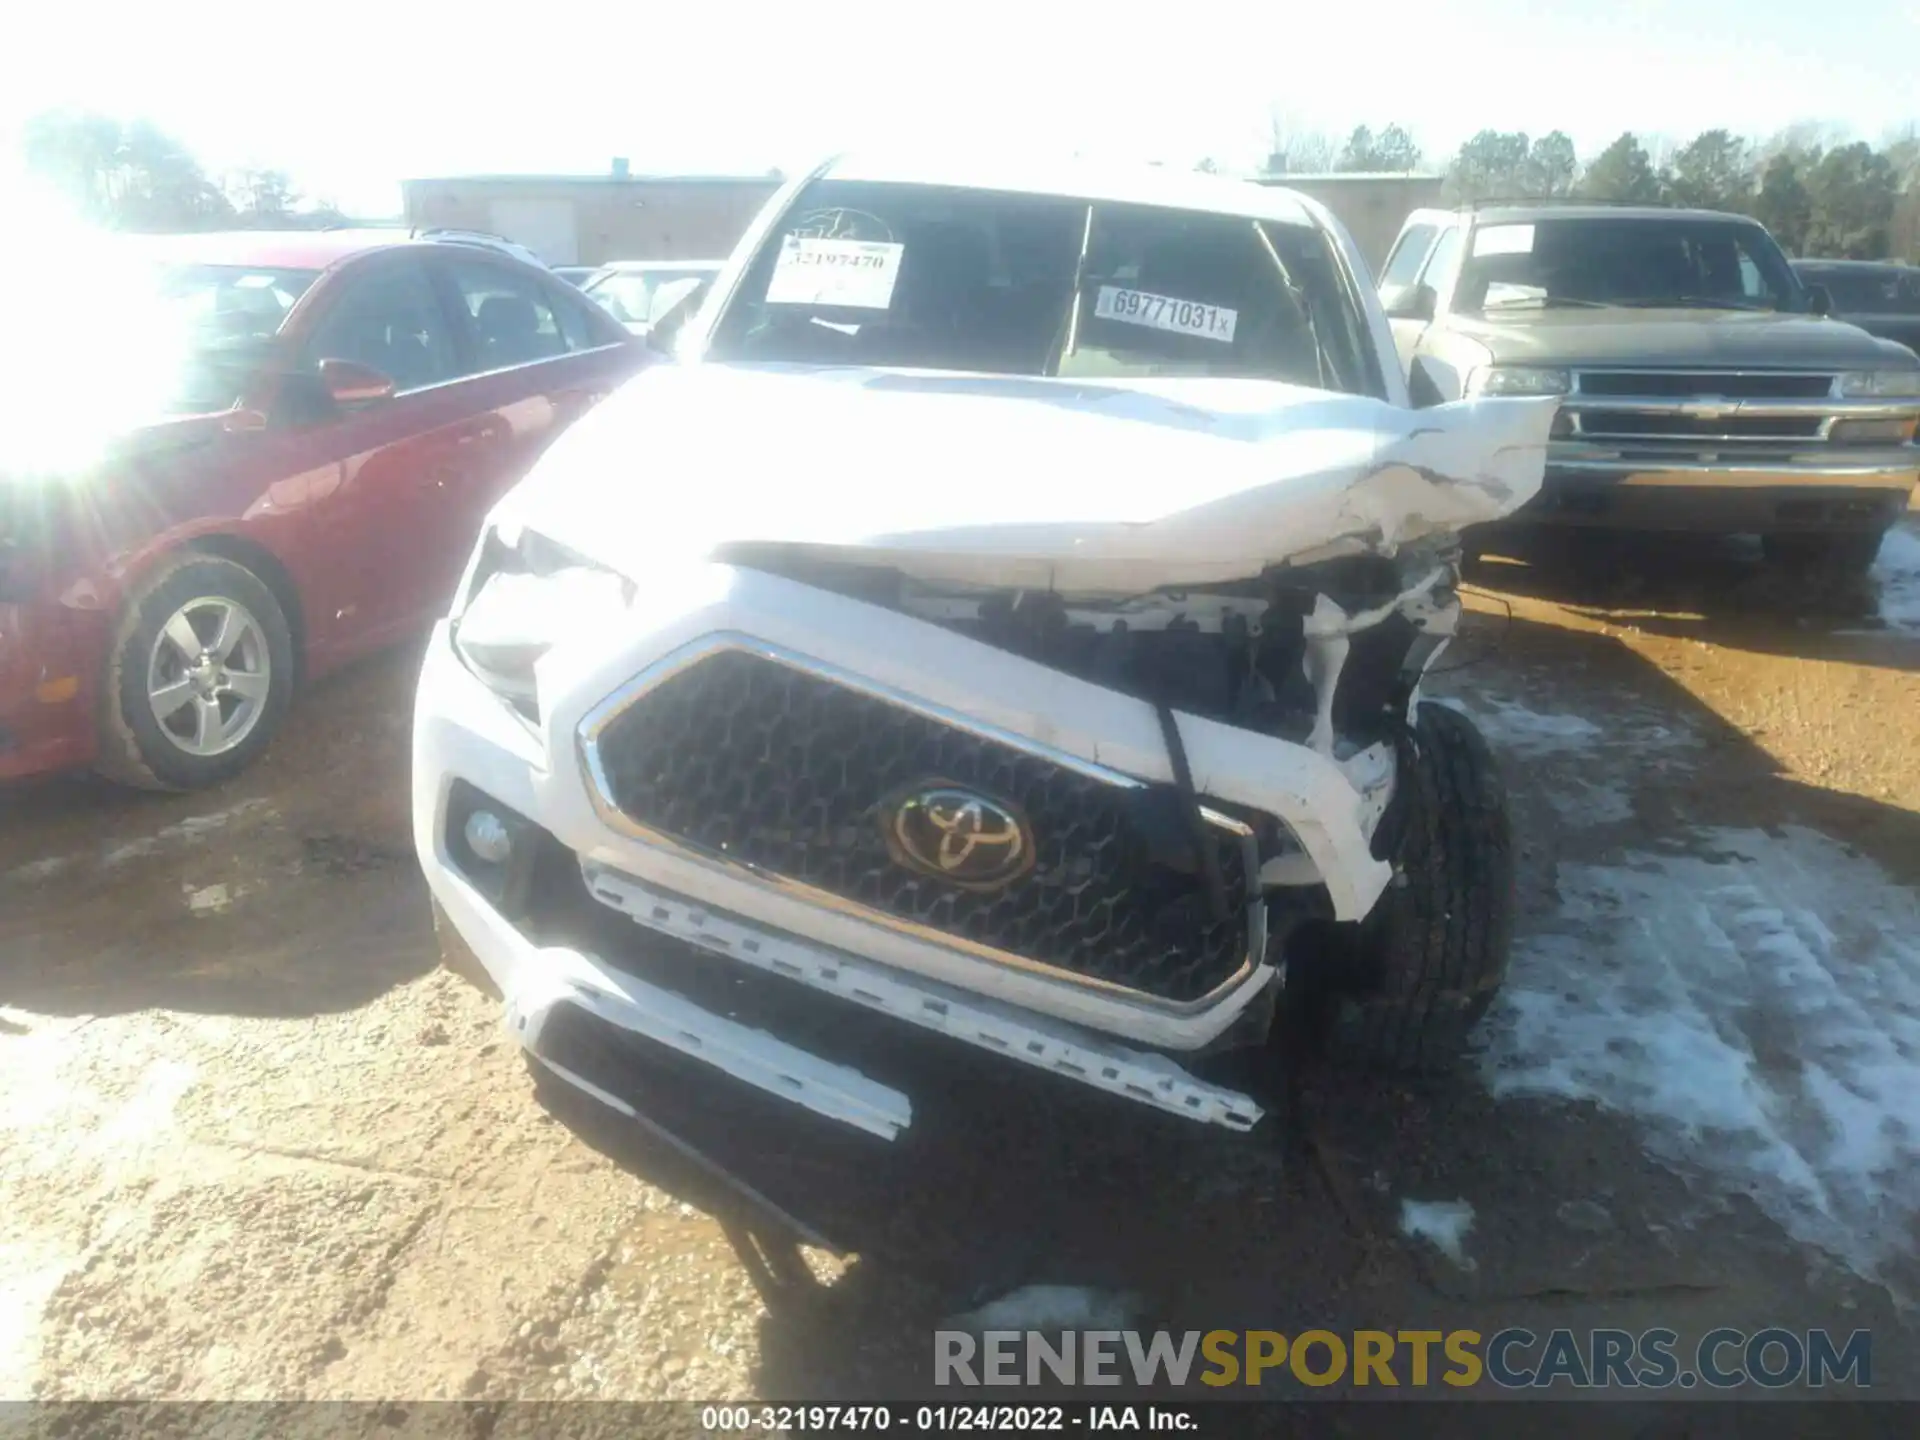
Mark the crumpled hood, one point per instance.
(1073, 485)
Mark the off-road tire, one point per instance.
(133, 749)
(1835, 556)
(1429, 959)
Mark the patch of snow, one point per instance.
(193, 828)
(1511, 725)
(209, 900)
(1052, 1308)
(1584, 803)
(35, 871)
(1757, 1007)
(1897, 573)
(1514, 727)
(1443, 1224)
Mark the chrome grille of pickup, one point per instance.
(1674, 410)
(762, 764)
(1654, 424)
(1690, 384)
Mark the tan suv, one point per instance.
(1706, 387)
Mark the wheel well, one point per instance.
(263, 563)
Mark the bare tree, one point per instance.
(1294, 149)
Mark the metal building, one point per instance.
(591, 219)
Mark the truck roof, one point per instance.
(1522, 212)
(1165, 186)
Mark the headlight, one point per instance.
(1879, 384)
(1518, 380)
(524, 600)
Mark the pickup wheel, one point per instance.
(1846, 555)
(1431, 956)
(198, 679)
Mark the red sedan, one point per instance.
(340, 410)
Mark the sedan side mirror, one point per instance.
(1409, 302)
(1819, 300)
(351, 383)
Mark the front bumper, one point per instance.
(49, 658)
(1724, 493)
(676, 903)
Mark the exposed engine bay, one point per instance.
(1327, 655)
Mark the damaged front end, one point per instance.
(1072, 794)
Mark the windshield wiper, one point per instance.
(1543, 302)
(1691, 302)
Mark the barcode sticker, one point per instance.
(1166, 312)
(859, 274)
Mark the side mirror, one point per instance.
(1409, 302)
(1819, 300)
(351, 383)
(673, 305)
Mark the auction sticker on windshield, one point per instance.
(1503, 240)
(859, 274)
(1165, 312)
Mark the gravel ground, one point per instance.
(257, 1147)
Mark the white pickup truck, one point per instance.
(1000, 622)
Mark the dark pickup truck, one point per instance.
(1706, 387)
(1880, 297)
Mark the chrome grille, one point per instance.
(1677, 409)
(1687, 384)
(756, 761)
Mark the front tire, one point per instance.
(1432, 955)
(198, 678)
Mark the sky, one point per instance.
(351, 97)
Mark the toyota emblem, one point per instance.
(959, 836)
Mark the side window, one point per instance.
(388, 319)
(1408, 251)
(578, 323)
(514, 316)
(1444, 263)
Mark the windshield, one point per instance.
(929, 277)
(636, 297)
(222, 318)
(1654, 263)
(1889, 291)
(154, 339)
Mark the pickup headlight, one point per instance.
(526, 598)
(1518, 380)
(1879, 384)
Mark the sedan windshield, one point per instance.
(217, 322)
(930, 277)
(160, 339)
(637, 297)
(1675, 264)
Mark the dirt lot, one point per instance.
(256, 1146)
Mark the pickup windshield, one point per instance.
(939, 278)
(1678, 264)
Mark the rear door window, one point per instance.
(388, 318)
(513, 318)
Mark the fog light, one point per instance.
(488, 838)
